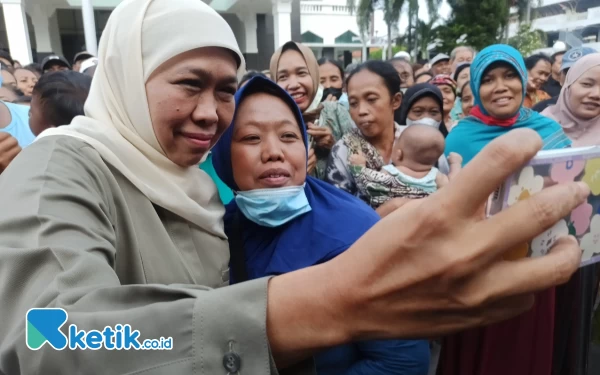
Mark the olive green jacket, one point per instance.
(75, 234)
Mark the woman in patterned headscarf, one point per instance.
(448, 88)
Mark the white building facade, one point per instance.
(557, 18)
(33, 29)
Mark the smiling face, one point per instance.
(584, 98)
(371, 105)
(26, 80)
(449, 98)
(425, 107)
(405, 72)
(442, 67)
(191, 102)
(539, 74)
(267, 149)
(293, 76)
(501, 91)
(330, 76)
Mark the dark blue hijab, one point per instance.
(336, 221)
(416, 92)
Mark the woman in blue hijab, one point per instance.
(522, 345)
(498, 82)
(282, 220)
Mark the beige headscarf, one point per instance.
(313, 70)
(581, 132)
(139, 36)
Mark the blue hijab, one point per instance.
(473, 133)
(336, 221)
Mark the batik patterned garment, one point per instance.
(338, 166)
(337, 118)
(379, 187)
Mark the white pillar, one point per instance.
(16, 30)
(89, 27)
(54, 32)
(282, 21)
(250, 26)
(41, 24)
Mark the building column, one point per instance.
(54, 30)
(251, 40)
(47, 35)
(17, 31)
(89, 27)
(282, 21)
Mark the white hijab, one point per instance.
(139, 36)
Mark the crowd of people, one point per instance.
(309, 217)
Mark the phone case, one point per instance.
(555, 167)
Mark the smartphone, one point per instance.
(549, 168)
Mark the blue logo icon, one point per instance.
(43, 326)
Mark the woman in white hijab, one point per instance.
(110, 220)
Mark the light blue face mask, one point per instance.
(273, 207)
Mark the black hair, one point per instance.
(35, 68)
(383, 69)
(290, 46)
(62, 95)
(326, 60)
(251, 74)
(7, 56)
(416, 93)
(462, 89)
(427, 73)
(459, 70)
(533, 60)
(555, 55)
(23, 100)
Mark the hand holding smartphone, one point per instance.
(553, 167)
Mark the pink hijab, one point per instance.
(581, 132)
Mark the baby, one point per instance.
(412, 174)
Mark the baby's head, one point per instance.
(419, 146)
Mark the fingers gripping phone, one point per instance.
(549, 168)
